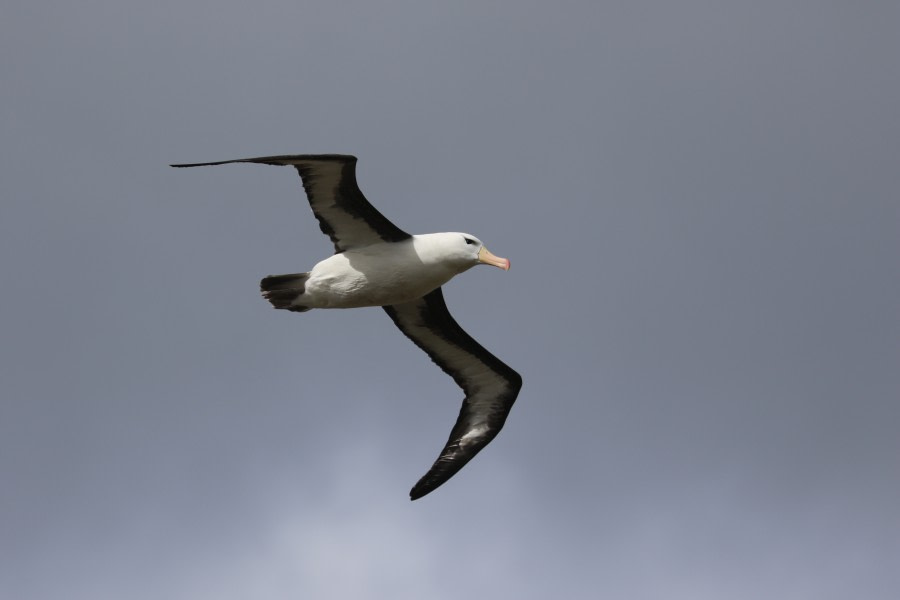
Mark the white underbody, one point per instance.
(379, 275)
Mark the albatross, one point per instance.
(375, 263)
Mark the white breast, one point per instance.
(376, 275)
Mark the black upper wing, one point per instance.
(490, 385)
(343, 212)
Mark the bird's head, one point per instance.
(461, 250)
(484, 256)
(474, 251)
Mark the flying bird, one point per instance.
(375, 263)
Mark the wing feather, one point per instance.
(490, 386)
(342, 210)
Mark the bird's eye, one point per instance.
(470, 241)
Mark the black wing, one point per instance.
(490, 385)
(343, 212)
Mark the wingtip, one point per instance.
(206, 164)
(427, 484)
(436, 476)
(281, 160)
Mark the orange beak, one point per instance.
(489, 259)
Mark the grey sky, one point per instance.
(701, 204)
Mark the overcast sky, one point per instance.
(701, 204)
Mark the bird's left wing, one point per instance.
(343, 212)
(490, 385)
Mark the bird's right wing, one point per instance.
(343, 212)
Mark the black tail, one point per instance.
(285, 291)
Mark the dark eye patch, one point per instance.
(470, 241)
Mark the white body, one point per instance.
(387, 273)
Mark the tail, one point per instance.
(284, 291)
